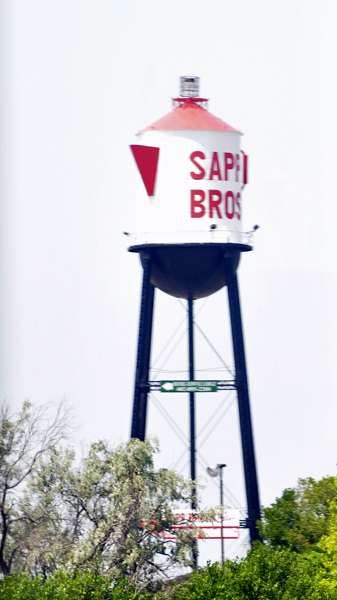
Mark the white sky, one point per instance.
(79, 78)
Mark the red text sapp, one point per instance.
(229, 167)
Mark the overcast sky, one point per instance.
(79, 79)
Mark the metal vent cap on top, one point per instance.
(189, 86)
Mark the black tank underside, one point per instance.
(189, 270)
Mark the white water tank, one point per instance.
(192, 172)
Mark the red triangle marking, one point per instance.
(146, 158)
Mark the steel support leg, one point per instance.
(191, 374)
(252, 491)
(143, 354)
(192, 417)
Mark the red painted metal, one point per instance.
(190, 115)
(245, 168)
(146, 158)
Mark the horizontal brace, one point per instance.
(155, 385)
(247, 523)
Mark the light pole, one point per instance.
(214, 472)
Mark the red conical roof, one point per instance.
(190, 115)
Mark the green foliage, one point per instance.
(327, 575)
(64, 586)
(301, 516)
(92, 530)
(265, 574)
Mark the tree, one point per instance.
(327, 576)
(25, 438)
(265, 574)
(112, 510)
(105, 513)
(301, 516)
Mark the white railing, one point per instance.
(217, 236)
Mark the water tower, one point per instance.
(192, 174)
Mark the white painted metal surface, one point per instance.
(197, 196)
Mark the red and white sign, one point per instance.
(211, 529)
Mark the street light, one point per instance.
(214, 472)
